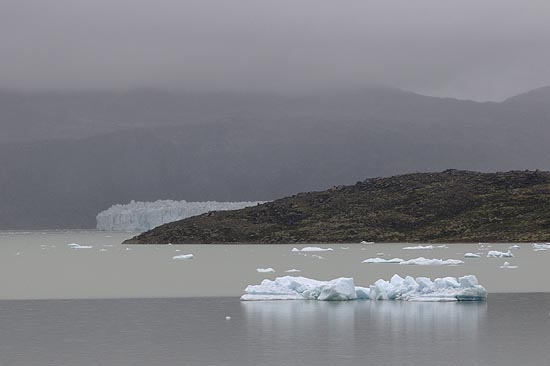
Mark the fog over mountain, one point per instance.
(107, 101)
(66, 156)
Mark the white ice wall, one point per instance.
(143, 216)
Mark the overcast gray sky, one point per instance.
(472, 49)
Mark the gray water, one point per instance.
(509, 329)
(41, 265)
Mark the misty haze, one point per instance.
(170, 168)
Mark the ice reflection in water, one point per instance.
(388, 332)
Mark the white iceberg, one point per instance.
(301, 288)
(472, 255)
(420, 247)
(540, 247)
(183, 256)
(342, 289)
(382, 260)
(497, 254)
(312, 249)
(265, 270)
(507, 265)
(515, 246)
(143, 216)
(421, 261)
(293, 270)
(367, 242)
(78, 246)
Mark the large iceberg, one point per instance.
(465, 288)
(143, 216)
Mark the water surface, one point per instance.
(508, 329)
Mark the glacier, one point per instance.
(143, 216)
(465, 288)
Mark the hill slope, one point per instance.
(447, 207)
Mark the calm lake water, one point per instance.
(113, 304)
(509, 329)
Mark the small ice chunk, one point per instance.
(227, 318)
(382, 260)
(312, 249)
(420, 247)
(507, 265)
(472, 255)
(103, 250)
(421, 261)
(367, 242)
(293, 270)
(344, 248)
(265, 270)
(497, 254)
(515, 246)
(183, 256)
(78, 246)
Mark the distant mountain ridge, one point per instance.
(66, 156)
(451, 206)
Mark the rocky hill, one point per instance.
(451, 206)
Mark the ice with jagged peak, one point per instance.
(507, 265)
(472, 255)
(143, 216)
(540, 247)
(312, 249)
(497, 254)
(464, 288)
(420, 247)
(421, 261)
(382, 260)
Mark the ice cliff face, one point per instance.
(143, 216)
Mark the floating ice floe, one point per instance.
(421, 261)
(497, 254)
(293, 270)
(419, 247)
(183, 256)
(515, 246)
(312, 249)
(78, 246)
(345, 248)
(472, 255)
(382, 260)
(539, 247)
(507, 265)
(367, 242)
(342, 289)
(265, 270)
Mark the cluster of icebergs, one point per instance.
(420, 261)
(464, 288)
(539, 247)
(143, 216)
